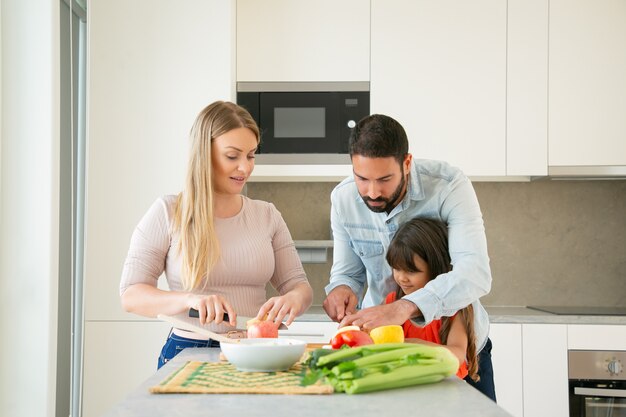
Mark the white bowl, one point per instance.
(264, 355)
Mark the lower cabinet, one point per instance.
(118, 357)
(506, 356)
(596, 337)
(544, 358)
(530, 368)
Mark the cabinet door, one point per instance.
(439, 68)
(506, 357)
(544, 349)
(527, 88)
(303, 40)
(596, 337)
(587, 83)
(118, 357)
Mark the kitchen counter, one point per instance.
(451, 397)
(503, 314)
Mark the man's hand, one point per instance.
(340, 302)
(369, 318)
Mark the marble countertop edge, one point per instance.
(503, 314)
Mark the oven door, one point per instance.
(597, 399)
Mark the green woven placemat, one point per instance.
(222, 378)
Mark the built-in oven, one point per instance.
(305, 122)
(597, 383)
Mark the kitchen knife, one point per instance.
(241, 320)
(181, 324)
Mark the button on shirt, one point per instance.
(361, 238)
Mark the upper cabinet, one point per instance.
(303, 40)
(527, 88)
(587, 105)
(516, 88)
(439, 68)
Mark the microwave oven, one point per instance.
(305, 122)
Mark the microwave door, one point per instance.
(306, 122)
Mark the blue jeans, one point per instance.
(485, 371)
(175, 344)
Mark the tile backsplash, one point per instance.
(550, 242)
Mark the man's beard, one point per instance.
(390, 202)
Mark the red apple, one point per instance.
(263, 329)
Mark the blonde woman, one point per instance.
(218, 248)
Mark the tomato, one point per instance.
(267, 329)
(351, 338)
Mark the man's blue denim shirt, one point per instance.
(361, 238)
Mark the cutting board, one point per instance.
(197, 377)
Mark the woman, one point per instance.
(218, 248)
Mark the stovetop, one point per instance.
(581, 311)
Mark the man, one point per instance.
(387, 189)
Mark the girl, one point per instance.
(218, 248)
(417, 254)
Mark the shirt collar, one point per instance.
(415, 191)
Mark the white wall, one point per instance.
(29, 206)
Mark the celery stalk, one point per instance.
(388, 381)
(357, 352)
(418, 350)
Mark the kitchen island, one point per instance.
(451, 397)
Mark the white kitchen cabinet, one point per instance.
(587, 57)
(439, 68)
(527, 88)
(119, 356)
(596, 337)
(544, 353)
(506, 357)
(301, 40)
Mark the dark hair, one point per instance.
(379, 136)
(428, 238)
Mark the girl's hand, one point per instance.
(211, 308)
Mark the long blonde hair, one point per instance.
(193, 215)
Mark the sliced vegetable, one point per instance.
(346, 328)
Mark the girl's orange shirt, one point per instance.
(429, 333)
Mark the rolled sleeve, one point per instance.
(347, 268)
(428, 303)
(470, 277)
(149, 245)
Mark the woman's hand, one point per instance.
(211, 308)
(294, 303)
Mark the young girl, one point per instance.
(417, 254)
